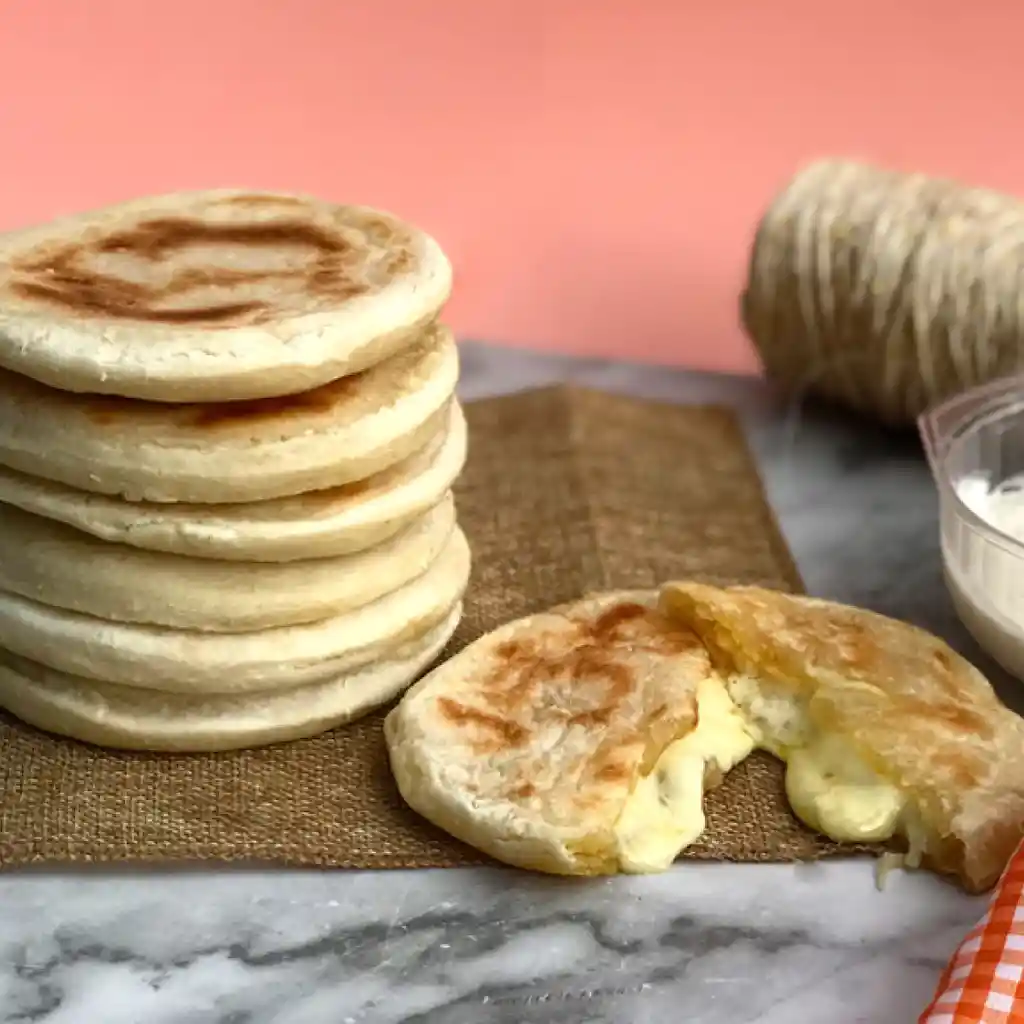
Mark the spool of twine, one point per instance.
(886, 292)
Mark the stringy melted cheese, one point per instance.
(829, 787)
(665, 814)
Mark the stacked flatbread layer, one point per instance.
(228, 438)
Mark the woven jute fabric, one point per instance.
(566, 492)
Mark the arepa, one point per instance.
(64, 568)
(119, 716)
(530, 743)
(188, 661)
(318, 524)
(886, 731)
(232, 451)
(214, 295)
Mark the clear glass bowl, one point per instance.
(975, 447)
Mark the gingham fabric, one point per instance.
(984, 982)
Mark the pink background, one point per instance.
(595, 167)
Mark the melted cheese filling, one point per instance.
(665, 812)
(832, 791)
(828, 786)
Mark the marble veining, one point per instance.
(708, 942)
(772, 944)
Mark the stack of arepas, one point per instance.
(228, 437)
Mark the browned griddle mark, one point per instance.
(593, 649)
(591, 655)
(949, 715)
(59, 275)
(322, 399)
(106, 411)
(509, 733)
(613, 771)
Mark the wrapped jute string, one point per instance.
(884, 291)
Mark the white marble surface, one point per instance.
(708, 942)
(704, 943)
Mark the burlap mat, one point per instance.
(566, 492)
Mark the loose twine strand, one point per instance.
(886, 292)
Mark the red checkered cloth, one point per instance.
(984, 982)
